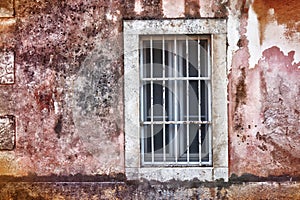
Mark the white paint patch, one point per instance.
(253, 38)
(233, 38)
(172, 9)
(205, 9)
(109, 16)
(8, 22)
(56, 109)
(274, 35)
(138, 6)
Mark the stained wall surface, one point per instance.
(61, 83)
(264, 91)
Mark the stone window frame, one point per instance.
(217, 29)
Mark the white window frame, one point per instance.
(216, 28)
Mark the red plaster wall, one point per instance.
(264, 119)
(68, 100)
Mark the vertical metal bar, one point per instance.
(180, 99)
(209, 102)
(171, 96)
(187, 100)
(164, 99)
(175, 99)
(142, 99)
(151, 75)
(199, 99)
(209, 56)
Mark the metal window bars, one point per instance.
(175, 102)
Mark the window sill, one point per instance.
(182, 174)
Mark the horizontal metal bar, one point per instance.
(167, 116)
(175, 122)
(173, 164)
(176, 37)
(177, 79)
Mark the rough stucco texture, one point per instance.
(284, 13)
(67, 96)
(264, 100)
(249, 191)
(7, 132)
(6, 8)
(67, 91)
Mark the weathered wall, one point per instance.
(61, 95)
(264, 91)
(66, 89)
(66, 97)
(95, 191)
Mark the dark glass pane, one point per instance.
(170, 143)
(157, 58)
(146, 142)
(176, 101)
(146, 59)
(181, 58)
(204, 100)
(205, 143)
(193, 58)
(146, 101)
(158, 101)
(158, 142)
(194, 142)
(193, 101)
(182, 142)
(169, 58)
(204, 58)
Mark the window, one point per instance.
(175, 99)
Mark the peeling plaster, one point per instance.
(173, 10)
(138, 7)
(283, 12)
(265, 124)
(68, 117)
(6, 8)
(257, 46)
(259, 112)
(192, 8)
(205, 8)
(253, 38)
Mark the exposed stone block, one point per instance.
(6, 8)
(7, 68)
(7, 132)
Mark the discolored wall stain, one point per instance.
(241, 90)
(68, 93)
(262, 112)
(280, 107)
(192, 8)
(220, 8)
(152, 9)
(265, 138)
(53, 41)
(285, 12)
(7, 132)
(6, 8)
(7, 34)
